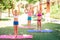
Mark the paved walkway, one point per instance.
(55, 21)
(22, 20)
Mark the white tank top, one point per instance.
(15, 16)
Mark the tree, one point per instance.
(1, 8)
(32, 1)
(9, 6)
(5, 4)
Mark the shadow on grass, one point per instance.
(4, 19)
(55, 35)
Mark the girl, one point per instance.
(39, 15)
(29, 11)
(15, 23)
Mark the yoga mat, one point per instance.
(40, 30)
(13, 37)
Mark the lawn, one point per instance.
(5, 19)
(55, 35)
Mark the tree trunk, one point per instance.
(8, 12)
(0, 15)
(58, 3)
(12, 10)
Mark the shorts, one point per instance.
(15, 23)
(29, 18)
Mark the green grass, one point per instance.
(55, 35)
(5, 19)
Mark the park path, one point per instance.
(22, 20)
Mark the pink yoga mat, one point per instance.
(13, 37)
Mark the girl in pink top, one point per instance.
(39, 15)
(29, 11)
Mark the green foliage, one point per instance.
(58, 6)
(1, 7)
(55, 13)
(32, 1)
(8, 3)
(17, 0)
(5, 4)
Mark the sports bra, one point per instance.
(39, 14)
(15, 16)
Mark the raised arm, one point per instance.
(26, 10)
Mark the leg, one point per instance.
(29, 22)
(40, 25)
(16, 30)
(37, 25)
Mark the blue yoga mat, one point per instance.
(40, 30)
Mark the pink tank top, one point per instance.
(29, 13)
(39, 16)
